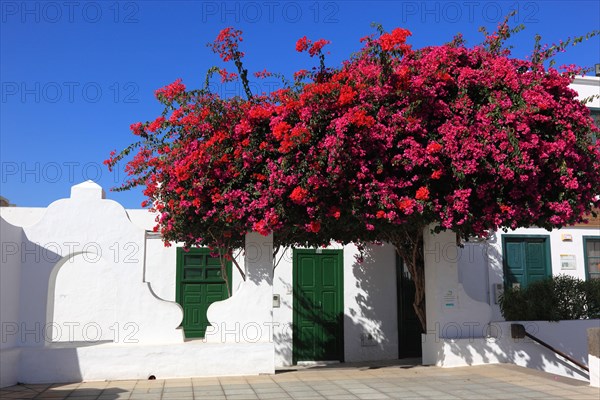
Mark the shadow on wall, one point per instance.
(283, 339)
(371, 299)
(500, 347)
(319, 333)
(256, 245)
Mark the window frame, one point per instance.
(586, 263)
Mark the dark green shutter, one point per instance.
(199, 284)
(526, 259)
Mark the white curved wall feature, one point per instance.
(88, 224)
(82, 300)
(247, 316)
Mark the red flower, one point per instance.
(263, 74)
(422, 193)
(437, 174)
(226, 44)
(261, 227)
(434, 147)
(171, 91)
(346, 95)
(334, 212)
(380, 214)
(395, 40)
(405, 205)
(314, 226)
(302, 44)
(317, 46)
(226, 76)
(300, 74)
(281, 129)
(156, 124)
(136, 128)
(298, 195)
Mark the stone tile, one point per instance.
(139, 396)
(53, 394)
(341, 397)
(241, 397)
(177, 395)
(114, 396)
(245, 390)
(20, 395)
(492, 382)
(209, 397)
(176, 389)
(372, 396)
(77, 397)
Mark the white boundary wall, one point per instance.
(129, 332)
(461, 331)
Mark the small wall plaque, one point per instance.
(566, 237)
(567, 262)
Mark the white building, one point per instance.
(88, 292)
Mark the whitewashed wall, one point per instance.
(81, 268)
(10, 276)
(500, 347)
(460, 329)
(587, 86)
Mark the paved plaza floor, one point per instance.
(341, 381)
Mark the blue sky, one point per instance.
(75, 74)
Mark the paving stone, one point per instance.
(491, 382)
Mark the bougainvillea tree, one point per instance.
(393, 141)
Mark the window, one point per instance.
(200, 283)
(526, 259)
(591, 252)
(595, 114)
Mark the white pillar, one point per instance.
(594, 356)
(247, 316)
(451, 313)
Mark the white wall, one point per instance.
(459, 329)
(22, 216)
(587, 86)
(451, 312)
(85, 293)
(370, 304)
(84, 283)
(499, 347)
(10, 277)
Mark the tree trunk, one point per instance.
(409, 245)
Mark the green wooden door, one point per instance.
(526, 259)
(199, 284)
(318, 305)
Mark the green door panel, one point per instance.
(526, 259)
(199, 284)
(318, 305)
